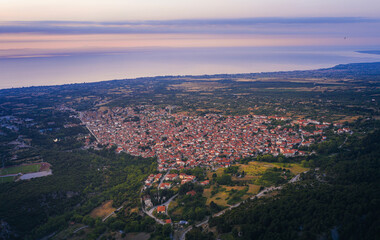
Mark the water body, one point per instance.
(141, 62)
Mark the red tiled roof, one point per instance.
(161, 209)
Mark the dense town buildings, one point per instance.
(181, 141)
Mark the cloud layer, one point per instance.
(210, 26)
(68, 38)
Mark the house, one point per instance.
(204, 183)
(347, 130)
(185, 176)
(157, 177)
(318, 132)
(165, 186)
(192, 193)
(161, 209)
(119, 149)
(184, 181)
(340, 131)
(289, 152)
(182, 175)
(171, 177)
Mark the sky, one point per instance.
(34, 31)
(121, 10)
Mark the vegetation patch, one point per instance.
(103, 210)
(6, 179)
(25, 168)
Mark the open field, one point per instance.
(294, 168)
(6, 179)
(253, 189)
(196, 86)
(253, 173)
(256, 169)
(218, 172)
(221, 198)
(177, 212)
(21, 169)
(103, 210)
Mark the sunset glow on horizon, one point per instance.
(47, 38)
(120, 10)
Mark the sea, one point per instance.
(148, 62)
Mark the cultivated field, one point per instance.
(253, 174)
(103, 210)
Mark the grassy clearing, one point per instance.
(172, 205)
(221, 198)
(256, 169)
(103, 210)
(6, 179)
(253, 189)
(294, 168)
(174, 210)
(219, 172)
(255, 172)
(20, 169)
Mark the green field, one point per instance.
(20, 169)
(256, 169)
(257, 174)
(6, 179)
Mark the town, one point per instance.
(182, 141)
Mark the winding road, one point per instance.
(112, 213)
(182, 234)
(166, 204)
(260, 194)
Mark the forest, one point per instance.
(81, 181)
(338, 200)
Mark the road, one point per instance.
(150, 214)
(78, 229)
(112, 213)
(80, 117)
(162, 179)
(166, 204)
(345, 140)
(188, 229)
(183, 234)
(260, 194)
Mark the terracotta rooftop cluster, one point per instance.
(182, 141)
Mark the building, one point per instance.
(171, 177)
(204, 183)
(165, 186)
(161, 209)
